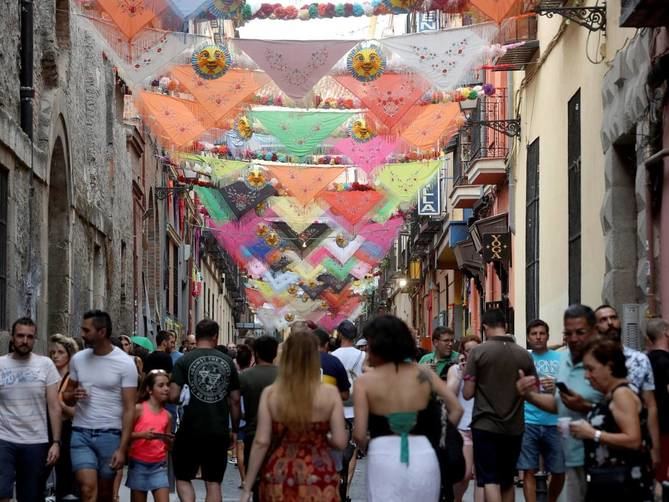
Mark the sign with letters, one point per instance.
(496, 247)
(429, 198)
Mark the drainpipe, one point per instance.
(650, 163)
(26, 77)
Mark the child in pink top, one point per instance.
(151, 437)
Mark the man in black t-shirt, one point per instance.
(160, 359)
(657, 344)
(212, 403)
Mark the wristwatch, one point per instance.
(598, 436)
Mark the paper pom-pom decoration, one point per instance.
(211, 61)
(243, 128)
(360, 131)
(366, 62)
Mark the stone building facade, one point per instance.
(67, 195)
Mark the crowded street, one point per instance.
(334, 251)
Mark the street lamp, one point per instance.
(402, 283)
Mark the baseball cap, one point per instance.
(347, 329)
(361, 343)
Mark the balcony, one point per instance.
(513, 31)
(643, 13)
(426, 228)
(464, 196)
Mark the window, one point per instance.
(4, 196)
(532, 233)
(574, 195)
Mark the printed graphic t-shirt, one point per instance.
(210, 376)
(547, 365)
(104, 378)
(23, 407)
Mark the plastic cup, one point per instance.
(563, 426)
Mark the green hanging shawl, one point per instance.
(213, 201)
(301, 132)
(403, 181)
(401, 423)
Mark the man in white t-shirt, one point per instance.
(103, 384)
(28, 389)
(353, 361)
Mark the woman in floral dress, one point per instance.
(299, 420)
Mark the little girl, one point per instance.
(151, 436)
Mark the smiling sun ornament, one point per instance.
(243, 128)
(211, 61)
(366, 62)
(360, 131)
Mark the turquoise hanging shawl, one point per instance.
(401, 423)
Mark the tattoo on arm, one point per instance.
(424, 376)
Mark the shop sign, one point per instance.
(496, 247)
(429, 199)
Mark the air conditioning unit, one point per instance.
(630, 333)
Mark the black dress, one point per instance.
(633, 467)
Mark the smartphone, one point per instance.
(563, 388)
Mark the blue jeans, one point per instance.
(93, 449)
(23, 464)
(544, 441)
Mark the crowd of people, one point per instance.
(590, 415)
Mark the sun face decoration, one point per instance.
(360, 131)
(292, 290)
(243, 128)
(262, 230)
(366, 62)
(400, 6)
(272, 239)
(341, 241)
(255, 178)
(211, 61)
(289, 317)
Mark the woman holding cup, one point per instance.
(617, 443)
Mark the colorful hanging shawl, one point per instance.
(304, 183)
(132, 15)
(171, 119)
(295, 214)
(444, 57)
(301, 132)
(348, 208)
(435, 125)
(295, 66)
(242, 198)
(404, 180)
(390, 97)
(367, 156)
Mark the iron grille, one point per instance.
(488, 143)
(574, 195)
(532, 233)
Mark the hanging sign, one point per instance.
(429, 198)
(496, 247)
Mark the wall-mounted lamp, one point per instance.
(508, 127)
(402, 282)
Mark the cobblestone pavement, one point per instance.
(231, 491)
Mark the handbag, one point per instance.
(610, 479)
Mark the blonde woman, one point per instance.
(61, 350)
(301, 419)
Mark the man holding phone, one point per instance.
(575, 397)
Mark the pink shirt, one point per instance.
(150, 450)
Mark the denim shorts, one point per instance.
(541, 441)
(147, 476)
(23, 464)
(93, 449)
